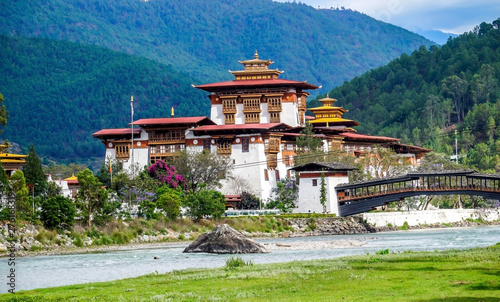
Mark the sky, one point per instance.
(449, 16)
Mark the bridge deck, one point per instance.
(363, 196)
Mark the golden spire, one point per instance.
(256, 55)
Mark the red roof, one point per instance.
(253, 83)
(264, 126)
(114, 132)
(173, 120)
(358, 136)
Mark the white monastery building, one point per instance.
(255, 120)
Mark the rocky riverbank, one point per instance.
(30, 241)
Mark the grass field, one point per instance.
(453, 275)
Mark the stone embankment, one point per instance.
(29, 239)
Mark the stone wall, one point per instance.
(326, 226)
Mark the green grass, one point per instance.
(454, 275)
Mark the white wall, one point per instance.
(309, 195)
(289, 114)
(430, 217)
(216, 114)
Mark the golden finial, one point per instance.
(256, 55)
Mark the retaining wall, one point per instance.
(430, 217)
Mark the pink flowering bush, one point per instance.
(165, 174)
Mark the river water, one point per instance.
(58, 270)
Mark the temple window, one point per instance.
(274, 117)
(224, 146)
(122, 151)
(272, 161)
(229, 105)
(273, 144)
(176, 135)
(274, 103)
(251, 104)
(252, 118)
(229, 119)
(245, 144)
(206, 144)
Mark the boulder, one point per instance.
(224, 240)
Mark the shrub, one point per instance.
(78, 242)
(234, 262)
(382, 252)
(58, 213)
(405, 226)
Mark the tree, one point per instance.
(33, 171)
(4, 114)
(285, 195)
(202, 170)
(91, 197)
(20, 190)
(169, 200)
(322, 192)
(165, 174)
(58, 213)
(53, 189)
(386, 163)
(4, 181)
(308, 147)
(249, 201)
(205, 203)
(457, 89)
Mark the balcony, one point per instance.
(273, 145)
(229, 106)
(122, 151)
(272, 161)
(171, 136)
(252, 118)
(229, 119)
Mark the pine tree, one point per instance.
(33, 172)
(4, 181)
(322, 190)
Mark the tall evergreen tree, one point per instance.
(33, 172)
(4, 114)
(4, 181)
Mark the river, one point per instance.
(57, 270)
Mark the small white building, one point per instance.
(310, 186)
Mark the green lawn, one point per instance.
(455, 275)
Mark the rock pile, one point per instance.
(224, 240)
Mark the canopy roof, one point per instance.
(213, 87)
(189, 121)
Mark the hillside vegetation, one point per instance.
(206, 38)
(58, 93)
(424, 96)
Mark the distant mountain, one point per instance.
(206, 38)
(436, 35)
(58, 93)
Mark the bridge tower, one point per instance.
(310, 186)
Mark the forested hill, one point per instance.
(58, 93)
(421, 97)
(206, 38)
